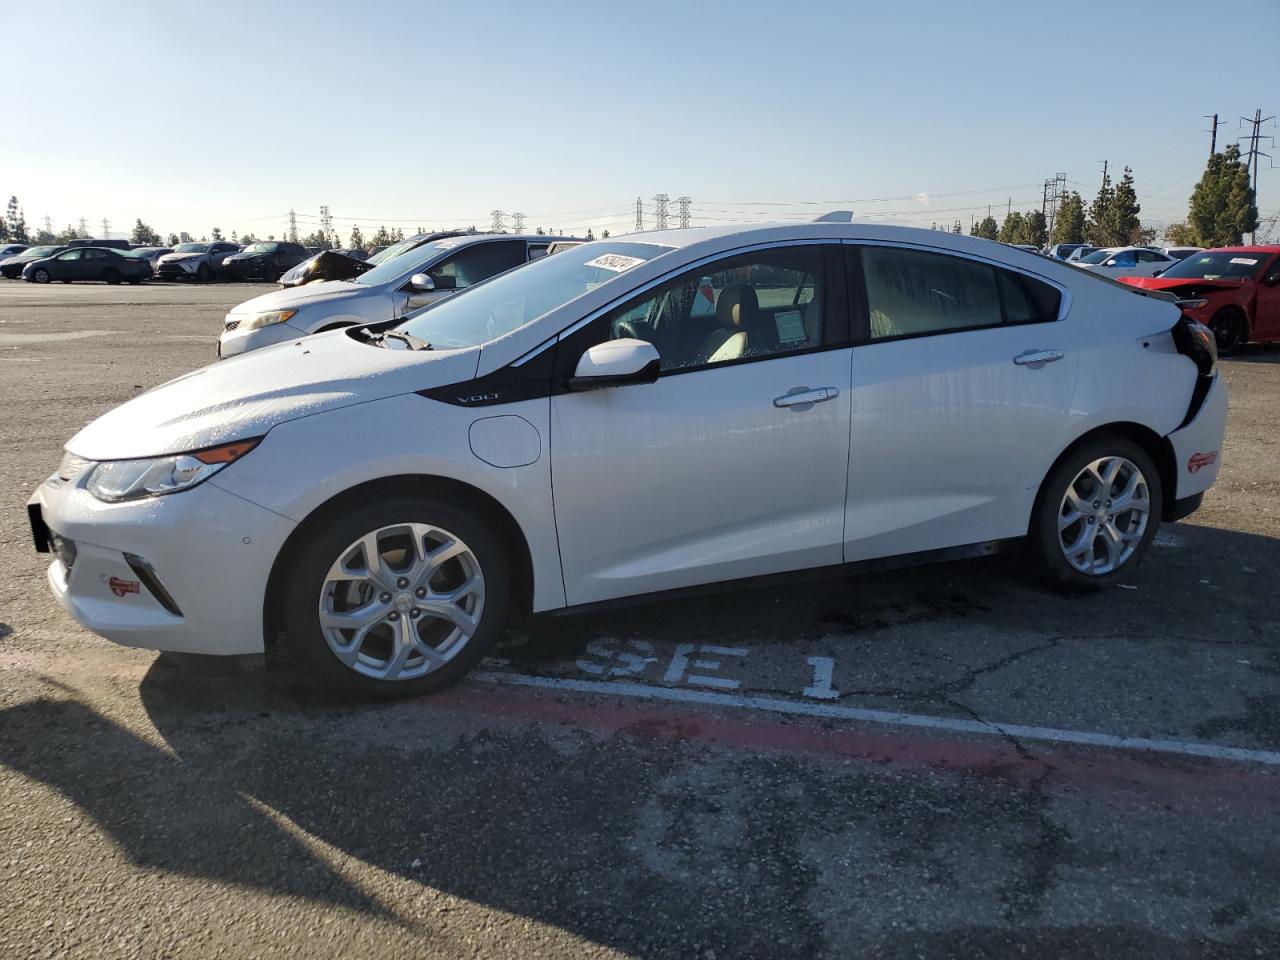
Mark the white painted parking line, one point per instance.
(831, 711)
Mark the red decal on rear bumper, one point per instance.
(121, 587)
(1199, 460)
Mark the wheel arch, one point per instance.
(1158, 448)
(505, 526)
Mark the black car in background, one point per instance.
(264, 260)
(11, 267)
(328, 265)
(111, 244)
(88, 263)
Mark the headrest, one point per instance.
(737, 306)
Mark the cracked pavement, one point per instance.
(159, 806)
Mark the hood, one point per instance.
(248, 395)
(174, 257)
(297, 296)
(1178, 283)
(24, 258)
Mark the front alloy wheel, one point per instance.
(401, 601)
(41, 276)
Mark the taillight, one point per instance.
(1193, 339)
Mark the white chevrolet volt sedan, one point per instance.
(630, 416)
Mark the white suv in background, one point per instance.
(414, 279)
(1116, 262)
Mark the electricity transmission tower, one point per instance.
(106, 229)
(683, 214)
(1251, 161)
(84, 227)
(499, 221)
(293, 226)
(517, 222)
(1054, 190)
(639, 216)
(326, 223)
(660, 202)
(48, 224)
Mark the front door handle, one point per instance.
(1035, 359)
(803, 398)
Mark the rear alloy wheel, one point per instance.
(41, 276)
(1097, 514)
(111, 275)
(1230, 329)
(409, 600)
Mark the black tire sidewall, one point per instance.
(318, 547)
(1044, 533)
(37, 274)
(1232, 318)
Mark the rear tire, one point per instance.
(1096, 515)
(403, 604)
(1230, 329)
(111, 275)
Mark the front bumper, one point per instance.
(208, 550)
(234, 342)
(177, 269)
(1197, 445)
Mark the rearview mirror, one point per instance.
(421, 283)
(616, 362)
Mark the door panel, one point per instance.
(700, 477)
(1266, 311)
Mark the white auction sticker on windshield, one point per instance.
(615, 262)
(1244, 261)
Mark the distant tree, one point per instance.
(1068, 224)
(43, 236)
(381, 238)
(1011, 229)
(1223, 205)
(398, 234)
(1181, 234)
(986, 228)
(143, 234)
(172, 240)
(357, 238)
(248, 238)
(1095, 227)
(184, 237)
(271, 236)
(590, 235)
(317, 239)
(956, 228)
(4, 230)
(1035, 230)
(540, 232)
(16, 222)
(217, 234)
(68, 234)
(1123, 225)
(604, 234)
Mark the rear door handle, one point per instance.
(1035, 359)
(804, 397)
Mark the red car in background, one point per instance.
(1234, 291)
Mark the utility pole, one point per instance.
(326, 223)
(1009, 211)
(1213, 134)
(639, 216)
(1104, 174)
(48, 224)
(517, 222)
(293, 226)
(660, 201)
(106, 229)
(499, 221)
(1057, 190)
(684, 211)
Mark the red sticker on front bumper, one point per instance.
(122, 587)
(1200, 460)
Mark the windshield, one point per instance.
(40, 251)
(406, 261)
(260, 248)
(191, 248)
(510, 300)
(1216, 266)
(393, 251)
(1098, 257)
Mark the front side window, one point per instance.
(1126, 258)
(70, 255)
(753, 305)
(477, 262)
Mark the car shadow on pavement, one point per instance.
(1255, 353)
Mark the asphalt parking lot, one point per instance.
(935, 762)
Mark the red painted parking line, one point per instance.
(1178, 782)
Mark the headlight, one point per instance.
(117, 480)
(268, 319)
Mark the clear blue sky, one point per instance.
(196, 114)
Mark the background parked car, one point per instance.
(195, 261)
(11, 249)
(416, 278)
(1180, 253)
(1117, 262)
(151, 254)
(346, 264)
(265, 260)
(1061, 251)
(1235, 291)
(88, 263)
(1080, 252)
(11, 267)
(105, 243)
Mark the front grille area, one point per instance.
(64, 550)
(231, 324)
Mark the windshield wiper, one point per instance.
(414, 343)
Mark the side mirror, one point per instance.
(1110, 263)
(616, 362)
(421, 283)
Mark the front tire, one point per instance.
(203, 273)
(1096, 515)
(1230, 329)
(41, 276)
(396, 597)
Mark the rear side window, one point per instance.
(914, 293)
